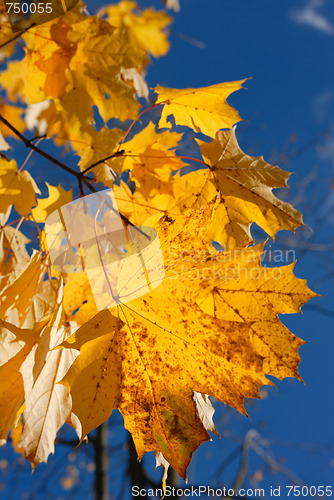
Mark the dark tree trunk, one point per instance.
(101, 461)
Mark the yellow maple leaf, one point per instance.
(155, 150)
(211, 326)
(145, 29)
(13, 115)
(16, 188)
(16, 344)
(239, 188)
(88, 55)
(151, 160)
(47, 404)
(16, 432)
(130, 357)
(13, 254)
(79, 303)
(45, 206)
(93, 146)
(6, 34)
(234, 286)
(17, 296)
(204, 109)
(142, 211)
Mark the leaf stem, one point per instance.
(171, 157)
(30, 153)
(192, 159)
(135, 120)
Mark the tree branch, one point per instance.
(79, 175)
(114, 155)
(101, 460)
(135, 470)
(15, 37)
(29, 144)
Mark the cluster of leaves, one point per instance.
(211, 327)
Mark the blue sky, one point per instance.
(286, 47)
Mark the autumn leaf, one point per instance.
(47, 404)
(153, 150)
(13, 115)
(93, 146)
(45, 206)
(146, 30)
(13, 254)
(16, 344)
(172, 4)
(204, 109)
(151, 159)
(17, 188)
(132, 355)
(211, 327)
(17, 297)
(79, 303)
(6, 34)
(234, 286)
(4, 146)
(240, 189)
(88, 69)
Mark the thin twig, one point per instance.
(32, 146)
(15, 37)
(114, 155)
(29, 155)
(79, 175)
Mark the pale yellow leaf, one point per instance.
(45, 206)
(15, 344)
(16, 297)
(240, 189)
(204, 109)
(48, 404)
(17, 188)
